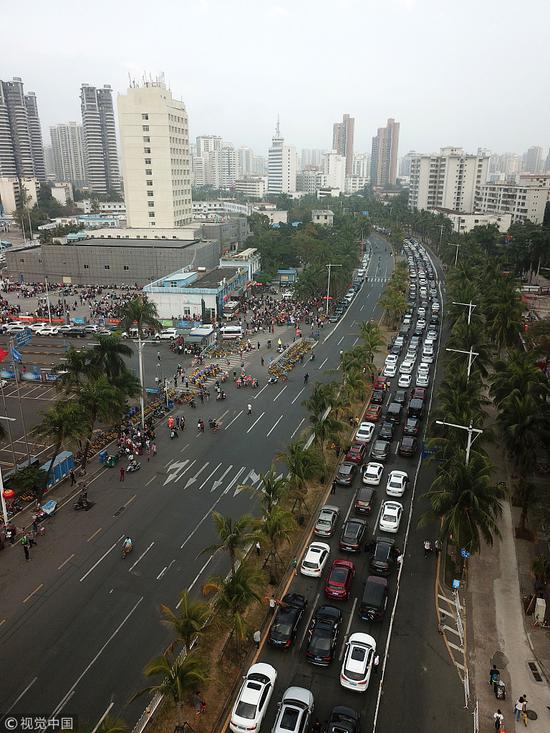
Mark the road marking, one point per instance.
(254, 478)
(141, 557)
(197, 576)
(322, 364)
(175, 468)
(298, 428)
(94, 660)
(232, 421)
(66, 561)
(167, 464)
(34, 591)
(339, 342)
(233, 481)
(130, 500)
(309, 620)
(101, 558)
(280, 393)
(219, 481)
(361, 308)
(194, 478)
(346, 635)
(273, 428)
(255, 421)
(105, 714)
(222, 415)
(356, 340)
(299, 393)
(185, 447)
(260, 392)
(206, 480)
(352, 502)
(150, 480)
(90, 538)
(3, 622)
(164, 569)
(14, 703)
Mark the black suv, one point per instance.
(375, 599)
(384, 556)
(386, 431)
(412, 426)
(323, 635)
(364, 500)
(407, 446)
(285, 624)
(344, 720)
(353, 533)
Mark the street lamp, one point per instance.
(2, 497)
(470, 306)
(329, 267)
(471, 430)
(471, 358)
(458, 246)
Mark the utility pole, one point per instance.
(2, 497)
(440, 238)
(470, 307)
(14, 366)
(329, 267)
(471, 358)
(458, 246)
(48, 299)
(471, 430)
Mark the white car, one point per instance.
(390, 516)
(37, 326)
(421, 312)
(167, 334)
(423, 368)
(372, 473)
(358, 662)
(253, 699)
(406, 367)
(315, 559)
(47, 330)
(66, 327)
(390, 370)
(428, 350)
(431, 335)
(16, 327)
(404, 380)
(421, 323)
(435, 306)
(391, 359)
(295, 711)
(411, 356)
(397, 483)
(422, 380)
(365, 432)
(427, 359)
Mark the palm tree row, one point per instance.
(394, 297)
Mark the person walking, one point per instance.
(518, 708)
(262, 361)
(498, 717)
(258, 547)
(494, 675)
(158, 355)
(257, 638)
(199, 704)
(122, 472)
(524, 716)
(376, 663)
(249, 409)
(333, 488)
(154, 449)
(427, 548)
(73, 477)
(26, 547)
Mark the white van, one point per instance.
(231, 332)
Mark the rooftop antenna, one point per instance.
(277, 129)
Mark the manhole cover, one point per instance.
(535, 671)
(500, 659)
(532, 715)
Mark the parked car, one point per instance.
(356, 453)
(422, 380)
(37, 326)
(364, 500)
(287, 619)
(380, 382)
(167, 334)
(373, 413)
(358, 662)
(412, 426)
(294, 711)
(404, 380)
(390, 516)
(418, 393)
(408, 446)
(253, 698)
(406, 367)
(365, 432)
(393, 413)
(397, 483)
(323, 635)
(340, 577)
(353, 533)
(315, 559)
(374, 600)
(47, 330)
(346, 473)
(372, 473)
(377, 397)
(325, 526)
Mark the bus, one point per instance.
(230, 308)
(231, 332)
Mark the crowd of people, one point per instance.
(264, 312)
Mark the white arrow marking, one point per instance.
(195, 477)
(219, 481)
(234, 480)
(254, 478)
(174, 469)
(206, 480)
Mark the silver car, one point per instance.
(325, 526)
(295, 711)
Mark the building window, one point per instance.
(147, 151)
(150, 193)
(107, 267)
(151, 214)
(126, 267)
(146, 139)
(145, 116)
(148, 172)
(147, 161)
(145, 128)
(86, 267)
(149, 183)
(150, 203)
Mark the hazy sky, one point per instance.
(468, 73)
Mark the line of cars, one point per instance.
(343, 303)
(68, 330)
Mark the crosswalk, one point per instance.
(211, 477)
(378, 279)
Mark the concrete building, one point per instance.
(49, 163)
(68, 153)
(253, 186)
(361, 165)
(281, 165)
(464, 223)
(342, 140)
(533, 160)
(99, 139)
(248, 258)
(62, 192)
(21, 149)
(334, 170)
(11, 193)
(154, 141)
(311, 157)
(207, 144)
(354, 184)
(385, 147)
(309, 180)
(246, 161)
(325, 217)
(405, 164)
(448, 180)
(523, 201)
(184, 293)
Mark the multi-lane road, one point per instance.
(77, 624)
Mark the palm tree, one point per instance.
(177, 678)
(503, 312)
(108, 355)
(276, 527)
(303, 464)
(273, 489)
(187, 621)
(330, 428)
(139, 313)
(110, 724)
(65, 425)
(234, 536)
(127, 383)
(371, 337)
(464, 500)
(321, 398)
(524, 424)
(75, 370)
(525, 493)
(520, 373)
(394, 303)
(100, 400)
(354, 386)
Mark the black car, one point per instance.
(344, 720)
(286, 621)
(380, 450)
(434, 320)
(353, 533)
(346, 473)
(364, 500)
(400, 396)
(375, 599)
(384, 556)
(75, 332)
(412, 426)
(377, 397)
(407, 446)
(323, 635)
(386, 431)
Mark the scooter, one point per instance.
(126, 550)
(173, 434)
(133, 466)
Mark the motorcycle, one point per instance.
(82, 503)
(126, 550)
(47, 510)
(133, 466)
(11, 533)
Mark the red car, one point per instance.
(373, 413)
(380, 383)
(356, 453)
(338, 583)
(418, 393)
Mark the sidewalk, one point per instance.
(499, 632)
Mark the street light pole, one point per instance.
(471, 358)
(2, 498)
(141, 344)
(470, 306)
(329, 267)
(471, 430)
(48, 300)
(458, 246)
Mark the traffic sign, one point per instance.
(16, 355)
(23, 338)
(464, 553)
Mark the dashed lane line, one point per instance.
(38, 587)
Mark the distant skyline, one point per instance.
(472, 75)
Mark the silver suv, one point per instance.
(295, 710)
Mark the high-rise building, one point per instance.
(361, 165)
(311, 157)
(342, 140)
(532, 160)
(334, 170)
(21, 150)
(384, 155)
(154, 140)
(448, 180)
(246, 156)
(68, 153)
(547, 164)
(99, 136)
(281, 165)
(405, 164)
(207, 144)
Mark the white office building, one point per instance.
(334, 170)
(281, 165)
(524, 201)
(68, 153)
(253, 186)
(154, 140)
(448, 180)
(464, 223)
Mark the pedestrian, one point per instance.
(498, 717)
(399, 559)
(31, 539)
(198, 703)
(494, 675)
(333, 487)
(427, 548)
(249, 409)
(158, 355)
(294, 565)
(518, 708)
(154, 449)
(258, 547)
(437, 547)
(375, 664)
(26, 549)
(122, 472)
(258, 345)
(272, 603)
(524, 716)
(257, 638)
(262, 361)
(73, 477)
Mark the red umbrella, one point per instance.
(8, 493)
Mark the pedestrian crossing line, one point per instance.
(450, 628)
(454, 646)
(459, 665)
(444, 598)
